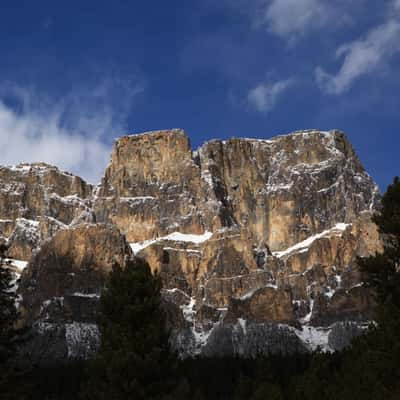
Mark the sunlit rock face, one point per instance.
(152, 186)
(35, 200)
(289, 188)
(282, 190)
(256, 240)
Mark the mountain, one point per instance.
(256, 241)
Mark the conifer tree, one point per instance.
(134, 360)
(8, 311)
(373, 361)
(13, 384)
(383, 270)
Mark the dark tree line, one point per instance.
(12, 373)
(135, 360)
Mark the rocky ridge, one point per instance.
(255, 240)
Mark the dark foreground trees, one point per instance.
(12, 385)
(378, 353)
(8, 311)
(134, 359)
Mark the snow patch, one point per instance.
(187, 237)
(188, 310)
(16, 267)
(200, 335)
(183, 250)
(250, 294)
(137, 199)
(139, 246)
(207, 177)
(304, 246)
(175, 236)
(82, 339)
(18, 264)
(72, 200)
(307, 318)
(315, 338)
(89, 295)
(242, 323)
(278, 187)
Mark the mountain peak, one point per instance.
(252, 238)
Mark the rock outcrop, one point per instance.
(151, 187)
(37, 194)
(61, 288)
(256, 240)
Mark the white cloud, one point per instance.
(294, 19)
(264, 96)
(70, 133)
(363, 56)
(287, 18)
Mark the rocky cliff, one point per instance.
(256, 240)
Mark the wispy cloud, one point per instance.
(264, 96)
(289, 19)
(70, 132)
(293, 18)
(364, 55)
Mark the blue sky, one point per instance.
(76, 75)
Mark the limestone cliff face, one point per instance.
(282, 190)
(151, 187)
(288, 188)
(255, 240)
(33, 195)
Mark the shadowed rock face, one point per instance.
(71, 266)
(61, 288)
(254, 239)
